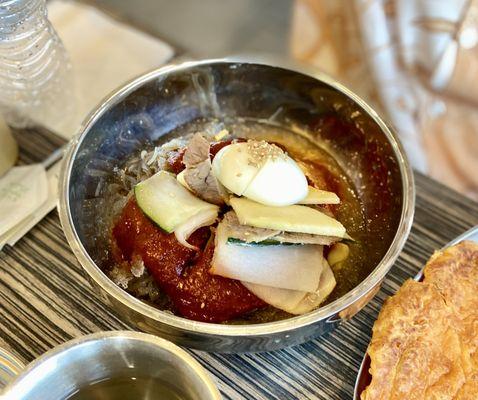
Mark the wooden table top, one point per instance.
(45, 300)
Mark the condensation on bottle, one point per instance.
(35, 73)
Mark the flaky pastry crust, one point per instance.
(425, 340)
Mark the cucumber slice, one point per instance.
(293, 218)
(163, 199)
(317, 196)
(240, 242)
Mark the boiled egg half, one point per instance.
(261, 172)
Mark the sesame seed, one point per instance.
(261, 151)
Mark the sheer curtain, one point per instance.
(416, 61)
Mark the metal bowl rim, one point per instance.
(293, 323)
(185, 358)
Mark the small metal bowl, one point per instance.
(103, 356)
(155, 104)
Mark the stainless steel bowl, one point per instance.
(297, 97)
(79, 363)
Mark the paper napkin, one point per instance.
(104, 54)
(19, 230)
(23, 190)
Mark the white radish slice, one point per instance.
(294, 301)
(283, 299)
(295, 267)
(292, 267)
(313, 300)
(204, 217)
(317, 196)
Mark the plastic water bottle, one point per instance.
(35, 73)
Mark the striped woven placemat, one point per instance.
(45, 300)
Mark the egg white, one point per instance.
(274, 182)
(279, 182)
(232, 168)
